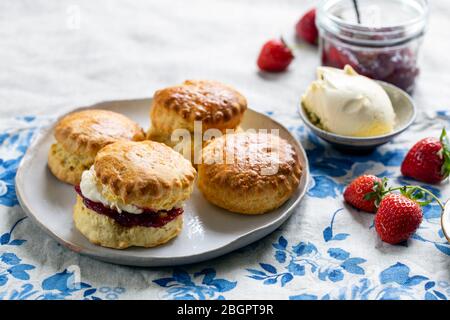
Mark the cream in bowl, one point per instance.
(352, 111)
(346, 103)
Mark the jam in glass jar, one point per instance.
(379, 39)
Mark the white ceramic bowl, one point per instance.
(404, 109)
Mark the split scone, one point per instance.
(215, 105)
(133, 195)
(250, 173)
(80, 135)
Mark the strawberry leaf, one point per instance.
(445, 170)
(421, 196)
(379, 191)
(404, 191)
(424, 203)
(416, 194)
(370, 196)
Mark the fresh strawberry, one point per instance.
(364, 191)
(428, 160)
(306, 27)
(275, 56)
(397, 218)
(397, 215)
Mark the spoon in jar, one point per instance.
(358, 16)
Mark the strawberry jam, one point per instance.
(378, 39)
(148, 218)
(396, 66)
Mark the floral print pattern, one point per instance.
(333, 255)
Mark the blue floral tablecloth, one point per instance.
(327, 250)
(73, 52)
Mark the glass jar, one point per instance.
(383, 45)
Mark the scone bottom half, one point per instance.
(105, 230)
(108, 219)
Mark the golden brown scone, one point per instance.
(66, 166)
(146, 174)
(250, 173)
(104, 231)
(215, 104)
(87, 131)
(80, 135)
(133, 194)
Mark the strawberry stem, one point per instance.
(286, 45)
(412, 190)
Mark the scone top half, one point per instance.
(80, 135)
(216, 105)
(138, 177)
(249, 173)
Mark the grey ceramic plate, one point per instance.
(208, 230)
(405, 112)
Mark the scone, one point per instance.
(133, 195)
(215, 105)
(249, 173)
(80, 135)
